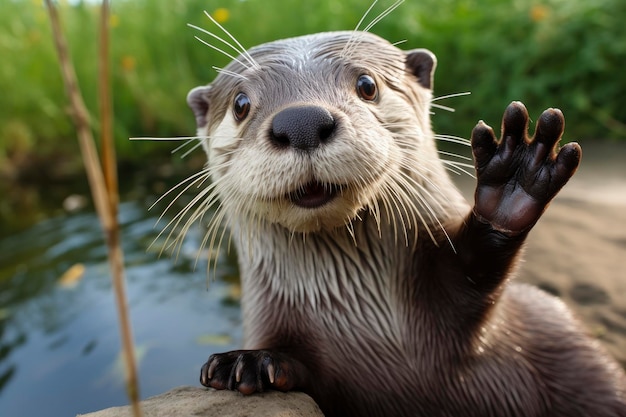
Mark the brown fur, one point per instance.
(392, 299)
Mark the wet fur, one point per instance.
(394, 299)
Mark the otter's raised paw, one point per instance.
(517, 175)
(249, 371)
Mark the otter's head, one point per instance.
(308, 132)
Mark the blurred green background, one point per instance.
(57, 344)
(564, 53)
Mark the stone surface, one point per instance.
(201, 402)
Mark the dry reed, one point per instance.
(103, 185)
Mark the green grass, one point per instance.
(564, 53)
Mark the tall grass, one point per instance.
(565, 53)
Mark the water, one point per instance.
(60, 344)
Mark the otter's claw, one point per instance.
(518, 176)
(248, 371)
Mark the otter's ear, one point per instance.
(198, 100)
(422, 63)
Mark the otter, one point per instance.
(368, 281)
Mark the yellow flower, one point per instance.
(221, 15)
(539, 12)
(114, 21)
(128, 63)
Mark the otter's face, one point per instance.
(308, 132)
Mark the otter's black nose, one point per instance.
(302, 127)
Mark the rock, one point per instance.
(194, 401)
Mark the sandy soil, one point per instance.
(577, 251)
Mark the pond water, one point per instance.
(59, 343)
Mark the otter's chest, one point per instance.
(343, 308)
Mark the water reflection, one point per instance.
(60, 344)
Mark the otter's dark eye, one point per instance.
(366, 87)
(241, 106)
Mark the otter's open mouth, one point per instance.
(314, 194)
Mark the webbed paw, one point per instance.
(518, 176)
(249, 371)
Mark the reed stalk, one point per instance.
(103, 185)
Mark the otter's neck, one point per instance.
(314, 268)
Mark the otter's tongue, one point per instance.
(313, 195)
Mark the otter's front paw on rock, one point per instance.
(517, 175)
(249, 371)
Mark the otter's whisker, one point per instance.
(354, 40)
(390, 192)
(198, 214)
(347, 47)
(456, 155)
(213, 253)
(415, 148)
(458, 168)
(400, 42)
(411, 212)
(374, 209)
(409, 182)
(446, 108)
(350, 228)
(453, 139)
(373, 206)
(218, 250)
(229, 73)
(367, 12)
(397, 126)
(408, 165)
(384, 197)
(209, 236)
(243, 51)
(216, 48)
(184, 145)
(175, 222)
(465, 93)
(384, 14)
(421, 196)
(190, 150)
(190, 180)
(441, 107)
(423, 177)
(168, 139)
